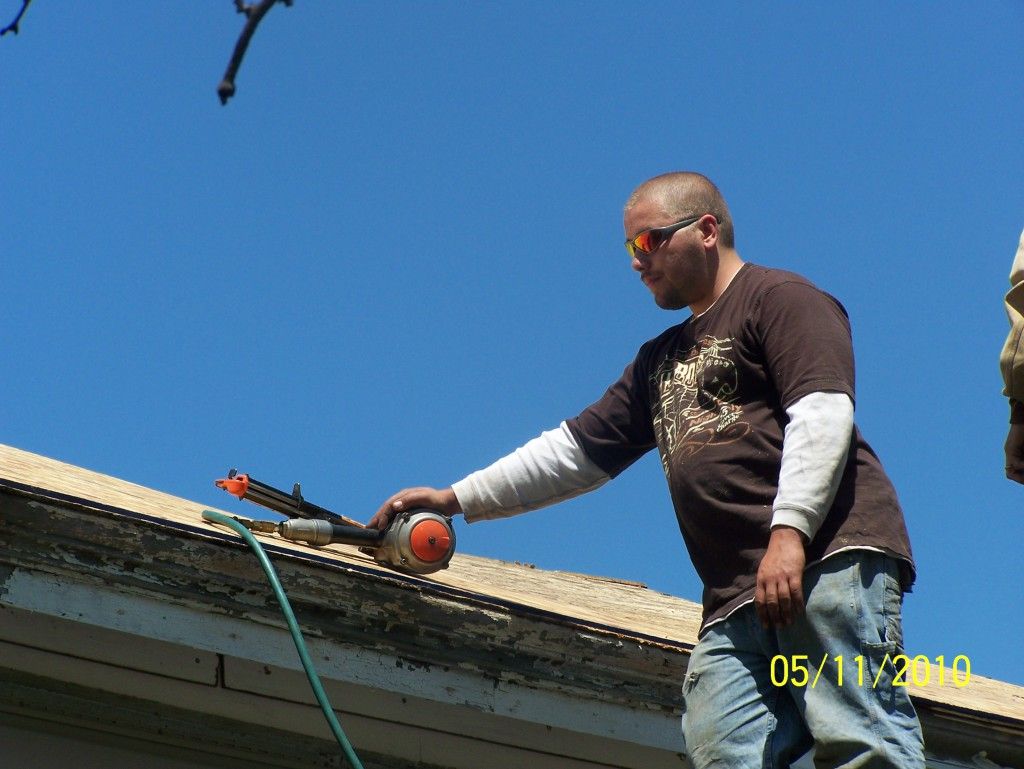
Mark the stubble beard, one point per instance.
(670, 301)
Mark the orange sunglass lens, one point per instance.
(646, 241)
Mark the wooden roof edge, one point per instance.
(367, 568)
(994, 701)
(373, 609)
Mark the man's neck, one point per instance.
(729, 264)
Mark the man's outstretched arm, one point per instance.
(551, 468)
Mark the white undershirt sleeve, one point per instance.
(551, 468)
(814, 452)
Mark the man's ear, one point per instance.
(708, 230)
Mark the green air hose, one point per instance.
(293, 626)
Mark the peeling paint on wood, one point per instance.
(488, 636)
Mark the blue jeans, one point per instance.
(737, 717)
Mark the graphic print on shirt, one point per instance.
(695, 404)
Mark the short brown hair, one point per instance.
(688, 193)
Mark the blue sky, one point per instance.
(397, 253)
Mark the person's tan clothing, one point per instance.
(1011, 360)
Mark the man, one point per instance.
(1011, 362)
(790, 520)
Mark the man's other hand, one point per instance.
(1015, 453)
(442, 500)
(779, 598)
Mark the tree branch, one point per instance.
(13, 26)
(254, 13)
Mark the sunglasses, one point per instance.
(653, 239)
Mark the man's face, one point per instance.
(678, 272)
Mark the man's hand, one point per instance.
(1015, 453)
(779, 598)
(442, 500)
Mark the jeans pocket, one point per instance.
(884, 671)
(690, 682)
(892, 610)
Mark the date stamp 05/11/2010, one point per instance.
(798, 670)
